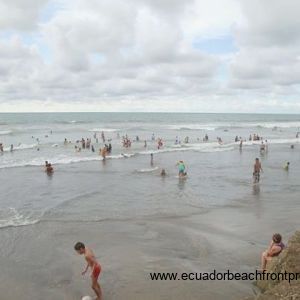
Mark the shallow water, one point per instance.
(137, 221)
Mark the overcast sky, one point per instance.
(150, 55)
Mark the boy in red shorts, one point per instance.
(93, 264)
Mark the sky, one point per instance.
(150, 55)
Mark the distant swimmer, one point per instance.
(93, 149)
(275, 248)
(262, 147)
(145, 144)
(104, 152)
(241, 144)
(287, 166)
(93, 264)
(266, 146)
(163, 173)
(11, 148)
(292, 146)
(48, 168)
(77, 148)
(1, 148)
(151, 159)
(65, 142)
(181, 169)
(256, 170)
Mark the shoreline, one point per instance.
(129, 250)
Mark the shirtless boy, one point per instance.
(93, 264)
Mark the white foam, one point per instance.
(5, 132)
(190, 127)
(87, 298)
(13, 218)
(147, 170)
(104, 130)
(21, 147)
(228, 125)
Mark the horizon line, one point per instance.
(150, 112)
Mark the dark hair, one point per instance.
(277, 238)
(78, 246)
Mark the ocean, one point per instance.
(136, 221)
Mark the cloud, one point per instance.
(269, 46)
(20, 14)
(187, 55)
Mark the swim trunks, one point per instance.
(96, 271)
(256, 175)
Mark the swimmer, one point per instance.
(262, 147)
(256, 170)
(49, 169)
(287, 166)
(93, 264)
(163, 173)
(104, 152)
(181, 169)
(151, 159)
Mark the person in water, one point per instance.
(181, 169)
(275, 248)
(262, 147)
(256, 170)
(151, 159)
(93, 264)
(163, 173)
(287, 166)
(49, 168)
(104, 152)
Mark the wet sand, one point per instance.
(41, 263)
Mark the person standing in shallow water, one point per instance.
(151, 159)
(256, 170)
(181, 169)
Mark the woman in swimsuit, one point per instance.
(275, 248)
